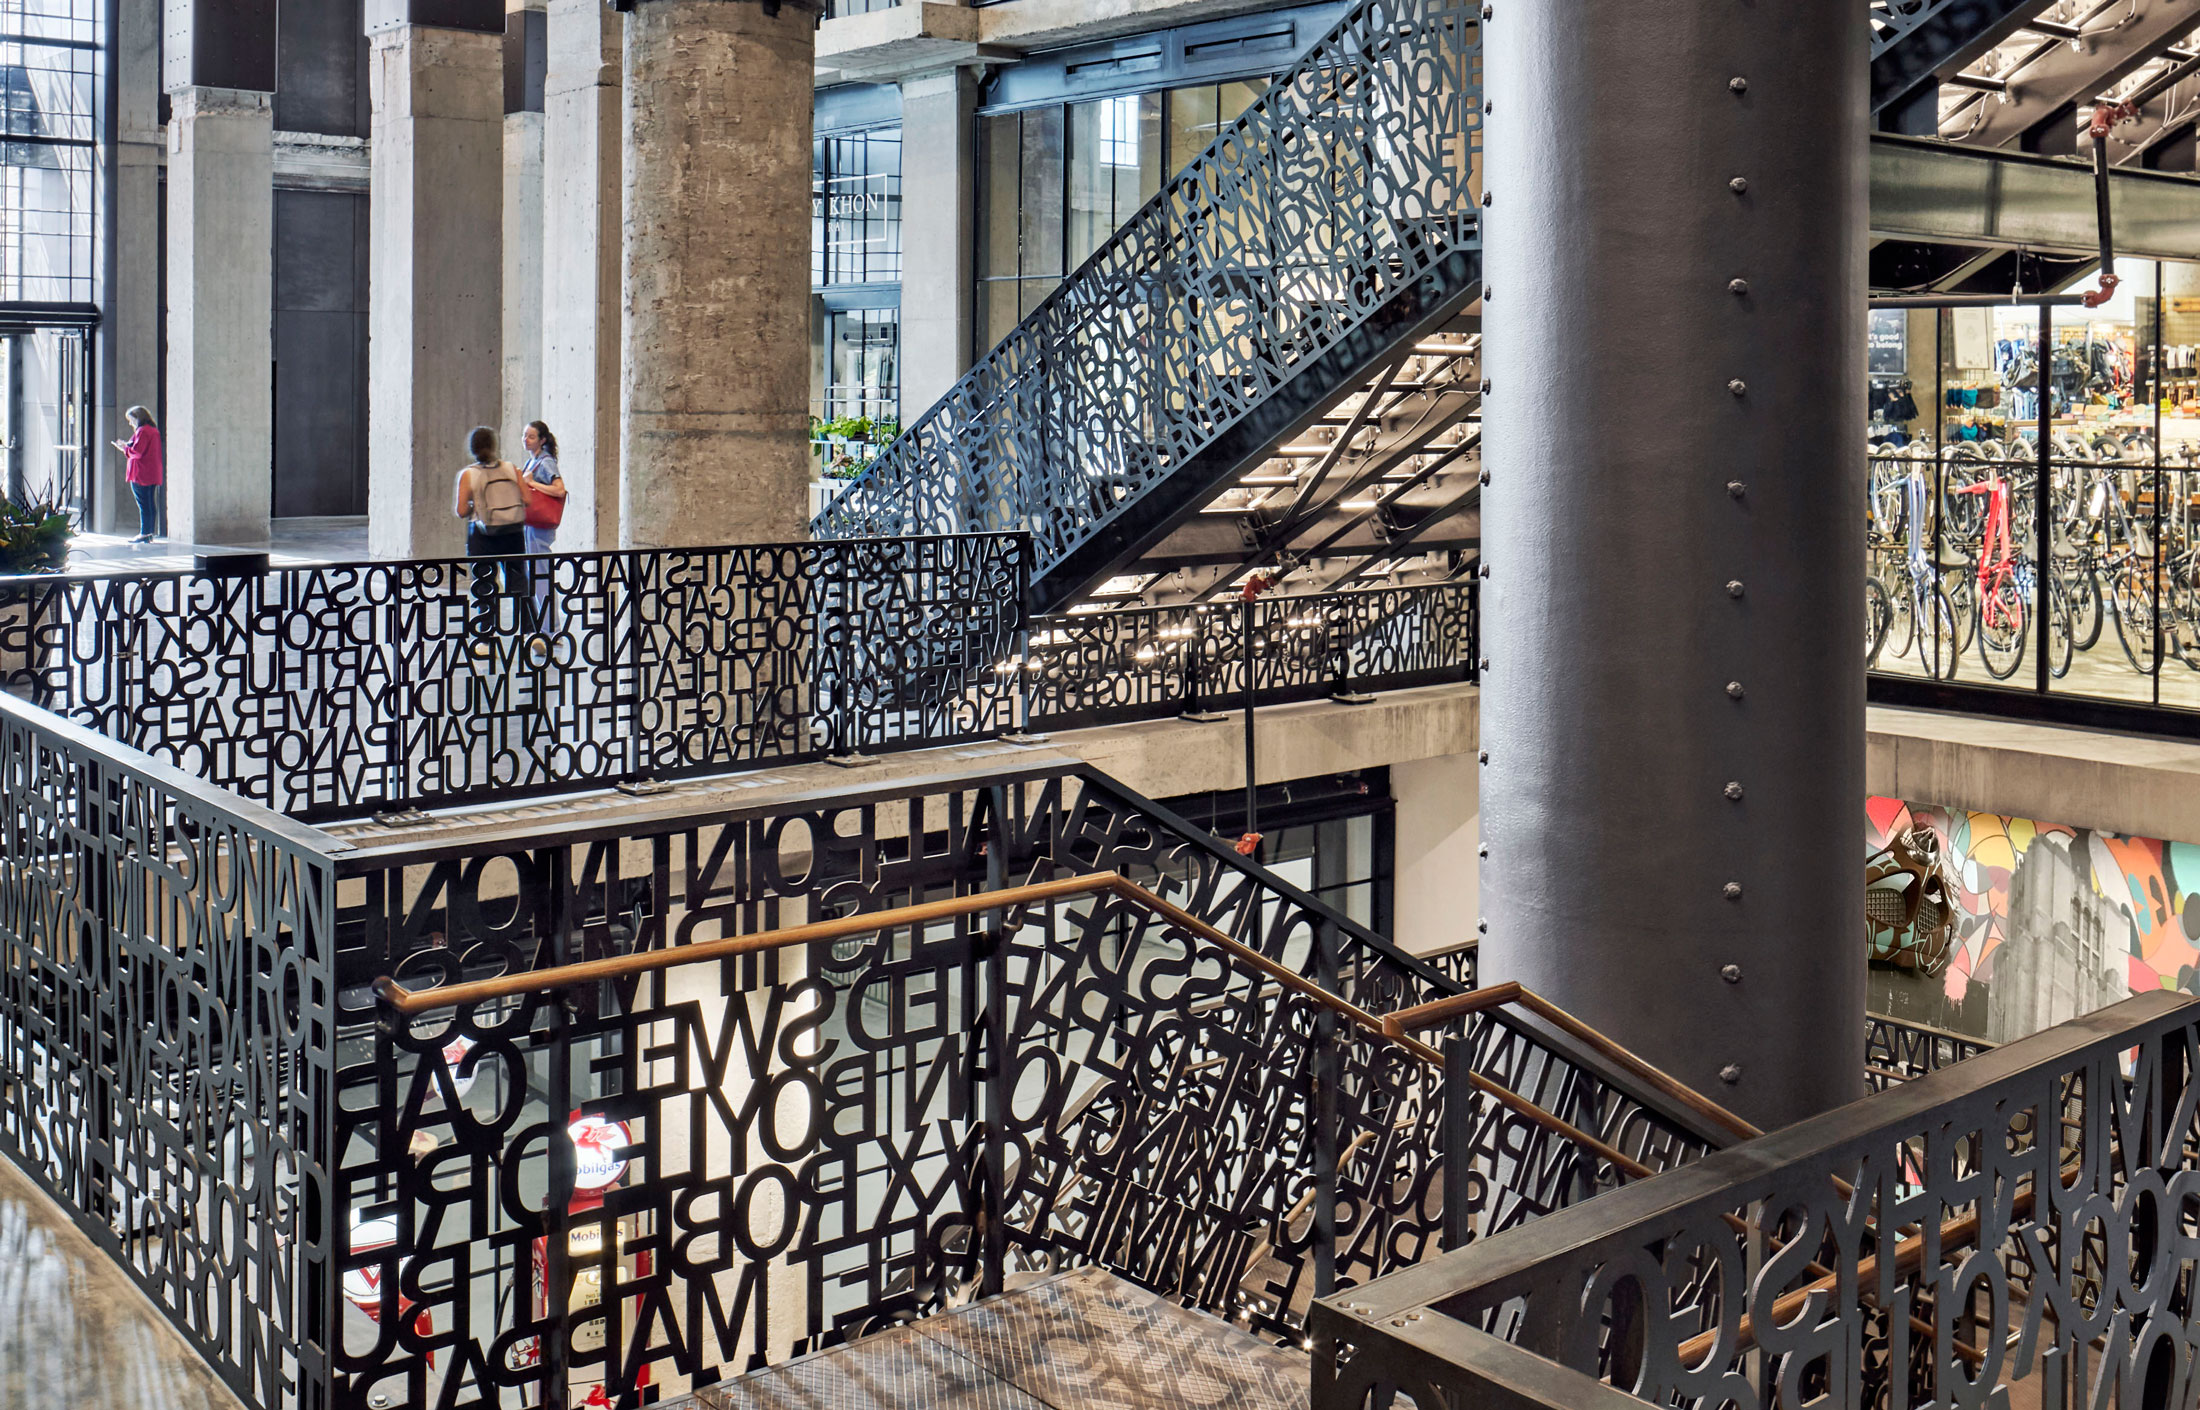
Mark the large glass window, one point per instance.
(855, 234)
(50, 67)
(1055, 182)
(863, 348)
(1972, 409)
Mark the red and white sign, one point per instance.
(597, 1164)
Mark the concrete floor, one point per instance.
(75, 1331)
(290, 541)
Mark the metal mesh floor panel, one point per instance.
(893, 1370)
(1085, 1340)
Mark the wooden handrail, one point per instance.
(504, 986)
(1428, 1015)
(542, 981)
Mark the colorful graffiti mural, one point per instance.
(2055, 908)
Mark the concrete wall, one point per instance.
(1438, 888)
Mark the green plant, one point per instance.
(34, 536)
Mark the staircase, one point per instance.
(1304, 253)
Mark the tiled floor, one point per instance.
(74, 1331)
(1085, 1340)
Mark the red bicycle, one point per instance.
(2002, 582)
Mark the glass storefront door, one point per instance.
(45, 415)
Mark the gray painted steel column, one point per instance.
(1673, 706)
(715, 391)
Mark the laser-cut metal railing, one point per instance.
(1350, 183)
(824, 1127)
(330, 691)
(1997, 1228)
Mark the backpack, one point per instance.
(499, 502)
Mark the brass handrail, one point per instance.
(1428, 1015)
(504, 986)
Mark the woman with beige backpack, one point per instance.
(490, 498)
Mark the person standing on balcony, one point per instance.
(145, 471)
(490, 498)
(545, 507)
(542, 469)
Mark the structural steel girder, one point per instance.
(2063, 73)
(1925, 190)
(1919, 39)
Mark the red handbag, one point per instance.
(544, 510)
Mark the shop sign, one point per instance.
(596, 1165)
(1887, 344)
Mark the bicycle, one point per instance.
(2002, 584)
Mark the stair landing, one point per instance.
(1083, 1340)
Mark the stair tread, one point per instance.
(1083, 1340)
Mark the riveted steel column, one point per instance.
(1673, 710)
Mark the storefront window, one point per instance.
(1956, 460)
(855, 227)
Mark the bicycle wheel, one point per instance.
(2084, 592)
(2061, 634)
(1878, 617)
(2002, 620)
(1937, 651)
(1961, 591)
(2131, 603)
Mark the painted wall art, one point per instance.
(2051, 921)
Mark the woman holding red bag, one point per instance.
(545, 488)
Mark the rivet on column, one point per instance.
(1738, 185)
(1737, 286)
(1734, 588)
(1731, 1073)
(1732, 891)
(1736, 488)
(1732, 973)
(1733, 792)
(1737, 84)
(1737, 386)
(1483, 757)
(1734, 689)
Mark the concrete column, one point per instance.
(219, 436)
(715, 390)
(435, 364)
(129, 338)
(1673, 705)
(580, 265)
(523, 124)
(939, 156)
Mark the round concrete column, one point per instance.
(1673, 709)
(714, 392)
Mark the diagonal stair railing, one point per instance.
(1333, 220)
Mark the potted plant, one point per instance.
(34, 538)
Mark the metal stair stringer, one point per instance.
(1123, 537)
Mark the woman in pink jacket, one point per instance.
(144, 474)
